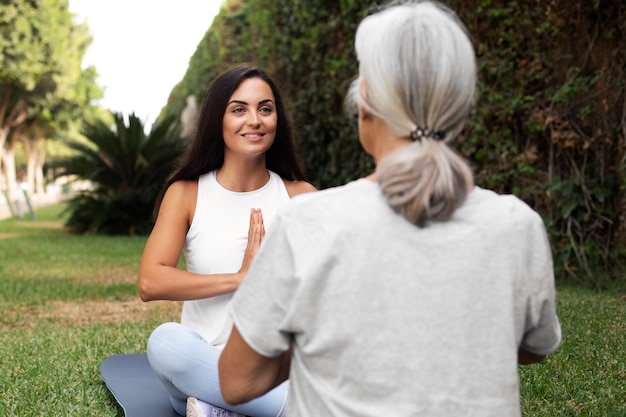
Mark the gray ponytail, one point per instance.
(425, 181)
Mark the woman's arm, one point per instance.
(245, 375)
(159, 278)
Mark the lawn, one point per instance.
(70, 301)
(67, 303)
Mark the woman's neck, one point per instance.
(242, 177)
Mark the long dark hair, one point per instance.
(205, 152)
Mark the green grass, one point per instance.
(587, 375)
(53, 334)
(68, 302)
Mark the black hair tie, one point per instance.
(425, 132)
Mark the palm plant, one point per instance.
(126, 169)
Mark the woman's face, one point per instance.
(250, 119)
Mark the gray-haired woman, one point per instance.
(412, 291)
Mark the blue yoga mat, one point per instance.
(135, 387)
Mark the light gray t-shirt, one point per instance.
(386, 318)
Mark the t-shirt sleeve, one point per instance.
(542, 329)
(260, 304)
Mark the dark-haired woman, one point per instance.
(239, 168)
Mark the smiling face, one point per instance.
(250, 119)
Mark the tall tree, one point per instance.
(41, 79)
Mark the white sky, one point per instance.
(141, 48)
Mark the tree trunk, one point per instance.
(13, 192)
(31, 150)
(40, 186)
(10, 117)
(4, 132)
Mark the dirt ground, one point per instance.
(63, 313)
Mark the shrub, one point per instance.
(126, 168)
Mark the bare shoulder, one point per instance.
(183, 190)
(298, 187)
(180, 198)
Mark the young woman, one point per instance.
(411, 292)
(240, 167)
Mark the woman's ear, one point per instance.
(363, 114)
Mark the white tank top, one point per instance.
(216, 242)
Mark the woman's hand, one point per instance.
(255, 235)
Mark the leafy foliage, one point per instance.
(126, 169)
(319, 39)
(43, 88)
(550, 124)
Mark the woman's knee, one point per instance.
(162, 336)
(165, 344)
(174, 348)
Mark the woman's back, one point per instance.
(396, 318)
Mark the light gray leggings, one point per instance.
(187, 366)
